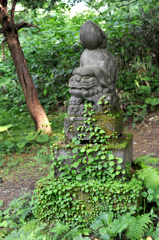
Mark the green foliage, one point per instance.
(135, 227)
(19, 212)
(85, 185)
(87, 179)
(154, 232)
(65, 232)
(23, 134)
(152, 101)
(5, 128)
(151, 181)
(34, 4)
(29, 231)
(44, 155)
(53, 52)
(108, 227)
(138, 227)
(150, 177)
(79, 201)
(38, 136)
(147, 160)
(130, 28)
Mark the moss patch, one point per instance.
(120, 143)
(110, 124)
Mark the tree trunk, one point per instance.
(34, 107)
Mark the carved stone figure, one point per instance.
(97, 75)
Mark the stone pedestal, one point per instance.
(110, 124)
(122, 148)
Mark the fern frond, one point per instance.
(150, 177)
(138, 226)
(59, 230)
(28, 231)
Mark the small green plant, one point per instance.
(138, 226)
(62, 232)
(108, 227)
(44, 155)
(18, 213)
(135, 227)
(38, 137)
(5, 128)
(153, 232)
(150, 177)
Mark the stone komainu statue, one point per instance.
(98, 71)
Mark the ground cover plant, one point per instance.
(21, 218)
(22, 222)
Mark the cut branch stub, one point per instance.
(24, 24)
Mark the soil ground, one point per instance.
(17, 180)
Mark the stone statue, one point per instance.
(97, 75)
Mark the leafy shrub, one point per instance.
(138, 226)
(135, 227)
(78, 195)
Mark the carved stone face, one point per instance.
(82, 82)
(84, 86)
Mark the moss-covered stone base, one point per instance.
(112, 124)
(81, 202)
(121, 148)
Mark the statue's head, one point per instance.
(92, 36)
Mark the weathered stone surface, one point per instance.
(123, 148)
(75, 110)
(98, 71)
(110, 124)
(95, 81)
(92, 36)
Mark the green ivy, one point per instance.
(86, 180)
(79, 202)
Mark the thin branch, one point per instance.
(3, 49)
(127, 4)
(1, 30)
(24, 24)
(13, 9)
(97, 10)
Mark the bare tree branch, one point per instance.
(3, 49)
(13, 9)
(24, 24)
(97, 10)
(127, 4)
